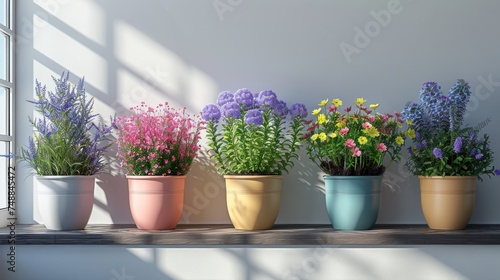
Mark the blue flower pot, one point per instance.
(353, 202)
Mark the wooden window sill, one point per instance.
(280, 235)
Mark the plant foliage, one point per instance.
(158, 141)
(258, 133)
(66, 140)
(355, 142)
(442, 145)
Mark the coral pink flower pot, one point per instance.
(156, 202)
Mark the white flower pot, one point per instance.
(65, 202)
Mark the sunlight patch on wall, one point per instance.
(63, 50)
(152, 69)
(91, 26)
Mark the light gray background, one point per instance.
(186, 52)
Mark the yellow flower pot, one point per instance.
(253, 201)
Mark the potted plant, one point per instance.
(353, 146)
(156, 147)
(446, 155)
(66, 151)
(253, 139)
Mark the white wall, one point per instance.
(186, 52)
(265, 263)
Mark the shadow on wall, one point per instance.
(116, 262)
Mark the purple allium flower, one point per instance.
(267, 98)
(280, 108)
(437, 153)
(254, 117)
(479, 156)
(210, 113)
(457, 146)
(298, 109)
(231, 109)
(224, 98)
(497, 172)
(244, 97)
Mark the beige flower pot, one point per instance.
(448, 202)
(253, 201)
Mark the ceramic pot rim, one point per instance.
(146, 177)
(252, 176)
(329, 177)
(447, 177)
(64, 176)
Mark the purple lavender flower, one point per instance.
(280, 108)
(224, 98)
(459, 96)
(457, 146)
(430, 93)
(472, 136)
(210, 113)
(254, 117)
(473, 152)
(479, 156)
(267, 98)
(437, 153)
(298, 109)
(231, 109)
(66, 120)
(497, 172)
(244, 97)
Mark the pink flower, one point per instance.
(366, 125)
(349, 143)
(332, 108)
(356, 152)
(344, 130)
(381, 147)
(371, 118)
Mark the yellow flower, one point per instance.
(411, 133)
(340, 124)
(400, 141)
(399, 125)
(362, 140)
(374, 106)
(322, 136)
(372, 132)
(321, 118)
(314, 137)
(332, 134)
(316, 111)
(323, 102)
(337, 102)
(360, 101)
(408, 122)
